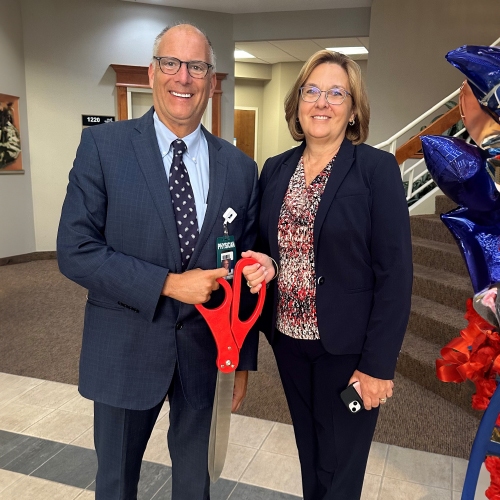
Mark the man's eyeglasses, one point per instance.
(171, 65)
(336, 95)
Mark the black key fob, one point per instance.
(352, 399)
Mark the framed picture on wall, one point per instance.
(10, 136)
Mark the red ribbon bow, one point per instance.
(471, 355)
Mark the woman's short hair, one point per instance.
(357, 133)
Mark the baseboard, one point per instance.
(27, 257)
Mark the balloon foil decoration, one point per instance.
(470, 176)
(459, 169)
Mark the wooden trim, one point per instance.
(216, 105)
(137, 77)
(414, 145)
(216, 118)
(27, 257)
(121, 97)
(128, 76)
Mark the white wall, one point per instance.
(69, 45)
(17, 235)
(407, 71)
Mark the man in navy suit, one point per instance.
(139, 228)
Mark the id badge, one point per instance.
(226, 248)
(226, 254)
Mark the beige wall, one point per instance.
(17, 234)
(407, 71)
(287, 76)
(252, 71)
(326, 23)
(69, 45)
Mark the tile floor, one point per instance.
(46, 452)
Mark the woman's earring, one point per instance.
(352, 122)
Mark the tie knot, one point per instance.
(179, 147)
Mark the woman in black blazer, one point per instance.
(334, 219)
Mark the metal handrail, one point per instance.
(409, 174)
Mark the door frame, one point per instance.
(247, 108)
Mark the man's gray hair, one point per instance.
(164, 30)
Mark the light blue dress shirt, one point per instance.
(195, 158)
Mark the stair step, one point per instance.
(435, 322)
(438, 255)
(444, 204)
(417, 361)
(430, 227)
(446, 288)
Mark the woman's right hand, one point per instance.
(260, 273)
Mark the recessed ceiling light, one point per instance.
(349, 51)
(241, 54)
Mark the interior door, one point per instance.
(244, 131)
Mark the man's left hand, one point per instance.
(240, 389)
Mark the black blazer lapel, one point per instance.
(342, 165)
(151, 163)
(217, 183)
(285, 172)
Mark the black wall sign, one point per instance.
(89, 120)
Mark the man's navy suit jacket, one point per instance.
(118, 238)
(362, 253)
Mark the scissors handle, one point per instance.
(238, 327)
(218, 321)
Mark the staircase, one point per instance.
(441, 287)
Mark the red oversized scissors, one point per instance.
(227, 328)
(229, 333)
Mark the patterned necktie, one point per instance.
(183, 203)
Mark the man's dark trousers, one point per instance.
(121, 437)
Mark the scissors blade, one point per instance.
(221, 420)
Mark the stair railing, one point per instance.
(409, 148)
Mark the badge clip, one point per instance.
(229, 215)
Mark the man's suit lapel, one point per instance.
(217, 183)
(342, 165)
(151, 163)
(285, 173)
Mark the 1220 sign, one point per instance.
(90, 120)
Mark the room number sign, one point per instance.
(90, 120)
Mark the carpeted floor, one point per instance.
(41, 318)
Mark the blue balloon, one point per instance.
(460, 171)
(479, 244)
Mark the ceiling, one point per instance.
(295, 50)
(249, 6)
